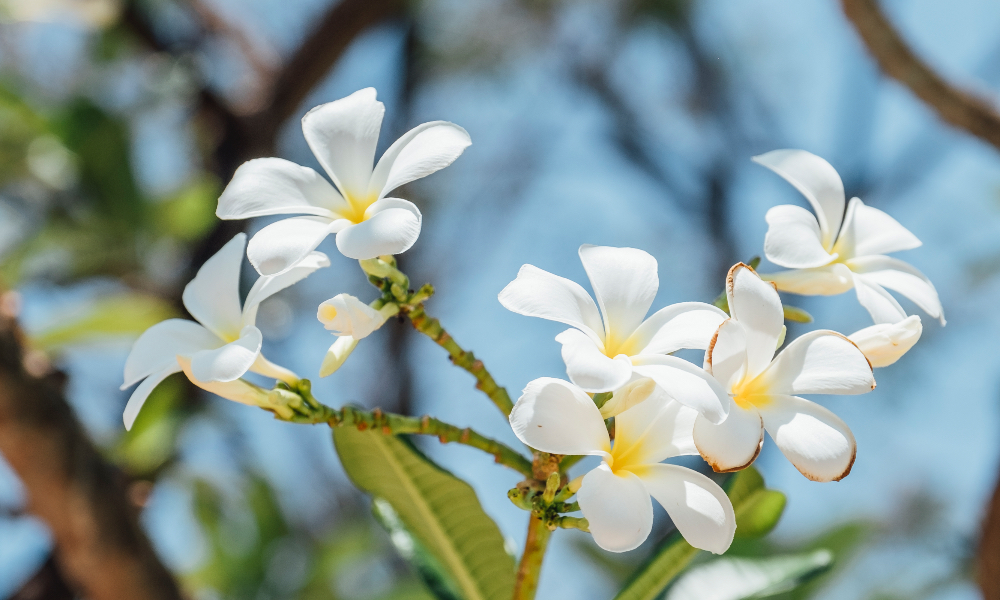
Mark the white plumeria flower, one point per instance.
(831, 252)
(343, 135)
(224, 343)
(351, 320)
(886, 343)
(764, 391)
(558, 417)
(607, 345)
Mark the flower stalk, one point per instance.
(530, 568)
(392, 282)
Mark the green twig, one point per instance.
(392, 282)
(530, 568)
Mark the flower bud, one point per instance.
(337, 354)
(345, 315)
(884, 344)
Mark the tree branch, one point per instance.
(100, 546)
(961, 109)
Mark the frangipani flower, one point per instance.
(556, 416)
(886, 343)
(832, 252)
(343, 135)
(224, 343)
(351, 320)
(607, 345)
(764, 387)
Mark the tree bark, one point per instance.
(100, 547)
(965, 111)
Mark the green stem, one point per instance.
(464, 359)
(530, 568)
(393, 283)
(393, 424)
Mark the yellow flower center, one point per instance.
(327, 312)
(750, 393)
(357, 205)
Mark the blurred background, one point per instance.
(626, 123)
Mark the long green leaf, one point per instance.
(739, 578)
(437, 509)
(757, 512)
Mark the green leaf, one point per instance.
(739, 578)
(796, 314)
(435, 508)
(757, 512)
(758, 509)
(122, 314)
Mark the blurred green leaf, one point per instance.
(190, 213)
(757, 509)
(433, 573)
(796, 314)
(436, 508)
(739, 578)
(124, 314)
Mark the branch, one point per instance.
(530, 569)
(988, 559)
(99, 544)
(959, 108)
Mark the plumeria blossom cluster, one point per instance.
(628, 400)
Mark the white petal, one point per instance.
(688, 325)
(733, 444)
(229, 362)
(391, 226)
(588, 367)
(635, 391)
(336, 355)
(345, 315)
(283, 244)
(343, 135)
(237, 391)
(274, 186)
(869, 231)
(652, 431)
(618, 508)
(538, 293)
(699, 508)
(756, 305)
(793, 239)
(686, 383)
(879, 303)
(811, 437)
(817, 180)
(141, 393)
(157, 348)
(726, 357)
(822, 281)
(900, 277)
(269, 285)
(885, 344)
(555, 416)
(423, 150)
(624, 282)
(213, 296)
(819, 362)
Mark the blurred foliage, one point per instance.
(452, 542)
(125, 314)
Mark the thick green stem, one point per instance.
(531, 561)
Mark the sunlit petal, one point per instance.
(686, 383)
(141, 393)
(157, 348)
(213, 296)
(423, 150)
(756, 305)
(538, 293)
(699, 508)
(793, 239)
(900, 277)
(588, 367)
(343, 135)
(733, 444)
(869, 231)
(274, 186)
(618, 508)
(822, 281)
(879, 303)
(689, 325)
(653, 431)
(817, 180)
(886, 343)
(819, 362)
(811, 437)
(228, 362)
(624, 282)
(286, 243)
(269, 285)
(391, 226)
(556, 416)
